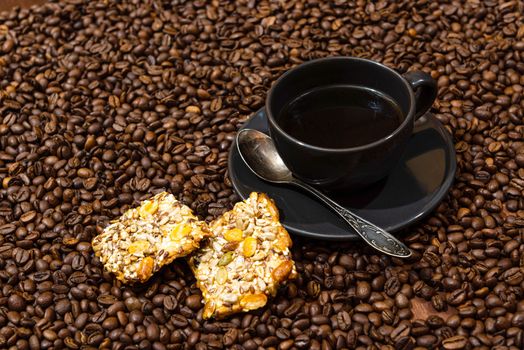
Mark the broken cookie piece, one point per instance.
(146, 238)
(245, 260)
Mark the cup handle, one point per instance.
(425, 89)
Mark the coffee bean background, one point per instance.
(104, 103)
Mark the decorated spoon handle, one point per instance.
(373, 235)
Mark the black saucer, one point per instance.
(414, 188)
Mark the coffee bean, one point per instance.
(405, 314)
(392, 286)
(132, 303)
(152, 332)
(388, 316)
(378, 282)
(194, 302)
(179, 320)
(453, 321)
(427, 341)
(455, 343)
(401, 301)
(170, 302)
(444, 332)
(63, 306)
(301, 324)
(400, 331)
(319, 319)
(405, 342)
(343, 320)
(230, 337)
(435, 321)
(282, 333)
(432, 258)
(250, 344)
(302, 341)
(456, 297)
(513, 276)
(347, 262)
(438, 303)
(193, 338)
(136, 317)
(16, 303)
(363, 290)
(110, 323)
(49, 334)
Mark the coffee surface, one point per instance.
(340, 116)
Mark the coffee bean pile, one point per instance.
(104, 103)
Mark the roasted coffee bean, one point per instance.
(313, 288)
(403, 329)
(392, 286)
(170, 303)
(388, 317)
(378, 283)
(405, 343)
(294, 308)
(438, 303)
(152, 332)
(230, 337)
(456, 297)
(282, 333)
(302, 341)
(405, 314)
(132, 303)
(455, 343)
(343, 320)
(435, 321)
(16, 303)
(427, 341)
(110, 323)
(401, 301)
(194, 301)
(363, 290)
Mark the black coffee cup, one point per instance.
(353, 167)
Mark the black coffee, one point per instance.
(340, 116)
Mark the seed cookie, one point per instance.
(148, 237)
(245, 260)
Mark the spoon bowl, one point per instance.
(260, 155)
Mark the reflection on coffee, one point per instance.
(340, 116)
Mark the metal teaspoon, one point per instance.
(260, 155)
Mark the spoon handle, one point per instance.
(373, 235)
